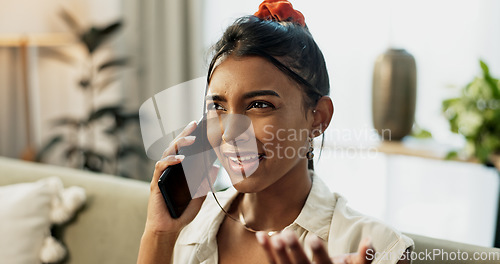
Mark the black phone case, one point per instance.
(173, 183)
(175, 191)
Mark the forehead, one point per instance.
(243, 74)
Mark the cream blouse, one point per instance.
(325, 214)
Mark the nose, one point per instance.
(236, 128)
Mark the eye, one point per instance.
(214, 106)
(261, 104)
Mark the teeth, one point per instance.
(248, 158)
(235, 159)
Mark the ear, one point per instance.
(322, 115)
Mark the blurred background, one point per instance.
(73, 74)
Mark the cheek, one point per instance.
(281, 140)
(214, 132)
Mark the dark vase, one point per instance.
(394, 94)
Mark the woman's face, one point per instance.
(251, 90)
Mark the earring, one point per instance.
(310, 154)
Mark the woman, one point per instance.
(268, 69)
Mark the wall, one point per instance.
(52, 83)
(447, 38)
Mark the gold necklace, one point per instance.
(244, 223)
(241, 219)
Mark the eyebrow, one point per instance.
(214, 97)
(248, 95)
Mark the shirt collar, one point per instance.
(201, 230)
(315, 217)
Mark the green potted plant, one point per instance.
(78, 144)
(475, 114)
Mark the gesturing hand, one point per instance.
(284, 248)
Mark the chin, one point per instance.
(249, 186)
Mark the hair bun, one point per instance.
(280, 10)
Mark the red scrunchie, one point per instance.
(279, 10)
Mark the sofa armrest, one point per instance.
(109, 227)
(445, 251)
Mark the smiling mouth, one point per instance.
(244, 159)
(244, 165)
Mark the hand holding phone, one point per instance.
(180, 183)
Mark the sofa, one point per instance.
(108, 228)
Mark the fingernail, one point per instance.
(288, 237)
(261, 237)
(179, 157)
(339, 260)
(316, 243)
(367, 241)
(192, 123)
(190, 138)
(276, 242)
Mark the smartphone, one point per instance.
(179, 182)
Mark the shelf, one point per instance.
(424, 148)
(37, 39)
(409, 146)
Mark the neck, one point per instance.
(277, 206)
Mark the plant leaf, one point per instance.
(111, 110)
(113, 63)
(72, 150)
(128, 150)
(449, 102)
(454, 124)
(422, 133)
(451, 155)
(94, 36)
(68, 121)
(484, 67)
(111, 131)
(105, 84)
(476, 115)
(71, 22)
(48, 146)
(111, 29)
(84, 83)
(123, 119)
(492, 83)
(90, 39)
(482, 153)
(94, 161)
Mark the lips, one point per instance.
(244, 163)
(242, 159)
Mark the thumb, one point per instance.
(365, 254)
(366, 251)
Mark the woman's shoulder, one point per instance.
(327, 215)
(349, 226)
